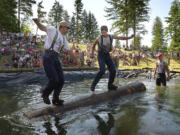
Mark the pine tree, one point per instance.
(158, 35)
(78, 16)
(137, 42)
(56, 14)
(173, 28)
(93, 27)
(139, 10)
(66, 16)
(85, 26)
(89, 27)
(128, 14)
(8, 21)
(24, 9)
(41, 14)
(72, 31)
(117, 43)
(119, 13)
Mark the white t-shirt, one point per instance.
(61, 42)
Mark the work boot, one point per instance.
(46, 99)
(57, 102)
(112, 87)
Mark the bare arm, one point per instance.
(93, 48)
(155, 72)
(40, 26)
(168, 72)
(122, 38)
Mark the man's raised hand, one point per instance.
(36, 20)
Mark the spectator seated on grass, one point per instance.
(65, 63)
(6, 63)
(15, 64)
(125, 63)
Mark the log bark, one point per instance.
(93, 99)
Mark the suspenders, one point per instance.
(100, 45)
(54, 41)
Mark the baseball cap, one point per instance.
(64, 24)
(159, 55)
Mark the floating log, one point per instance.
(91, 100)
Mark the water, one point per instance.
(154, 112)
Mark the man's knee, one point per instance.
(102, 71)
(113, 71)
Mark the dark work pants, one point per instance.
(53, 69)
(105, 59)
(161, 79)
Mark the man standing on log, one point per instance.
(104, 47)
(54, 44)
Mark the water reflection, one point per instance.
(129, 121)
(156, 111)
(105, 127)
(160, 97)
(60, 130)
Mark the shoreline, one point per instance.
(38, 70)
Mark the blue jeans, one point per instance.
(105, 59)
(53, 69)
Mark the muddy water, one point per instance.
(154, 112)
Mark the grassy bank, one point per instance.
(174, 64)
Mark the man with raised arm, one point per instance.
(104, 47)
(54, 44)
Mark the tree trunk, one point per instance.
(19, 14)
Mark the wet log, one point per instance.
(93, 99)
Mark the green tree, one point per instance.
(89, 27)
(8, 21)
(158, 35)
(92, 30)
(137, 42)
(85, 26)
(78, 16)
(24, 8)
(117, 43)
(119, 13)
(139, 10)
(66, 16)
(56, 14)
(173, 28)
(72, 31)
(128, 14)
(41, 14)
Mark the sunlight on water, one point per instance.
(156, 111)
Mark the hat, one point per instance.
(104, 27)
(64, 24)
(159, 55)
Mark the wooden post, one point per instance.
(93, 99)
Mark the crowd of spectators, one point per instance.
(25, 52)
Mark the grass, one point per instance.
(174, 64)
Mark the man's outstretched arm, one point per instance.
(40, 26)
(123, 38)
